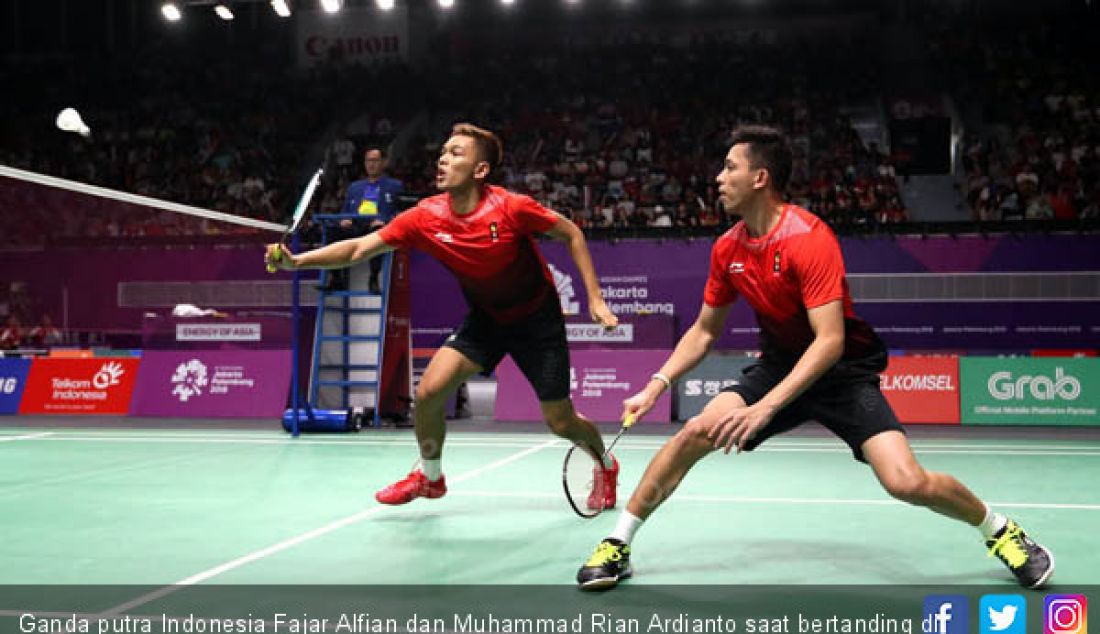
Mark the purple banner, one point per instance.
(639, 278)
(212, 384)
(643, 279)
(599, 382)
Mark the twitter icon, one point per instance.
(1002, 614)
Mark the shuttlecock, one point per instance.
(69, 120)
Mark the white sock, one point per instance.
(433, 469)
(627, 526)
(992, 523)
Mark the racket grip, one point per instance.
(629, 420)
(275, 257)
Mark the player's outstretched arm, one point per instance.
(571, 234)
(690, 350)
(333, 256)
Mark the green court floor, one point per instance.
(238, 507)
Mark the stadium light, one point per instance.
(507, 3)
(385, 5)
(281, 8)
(331, 6)
(171, 12)
(223, 12)
(446, 4)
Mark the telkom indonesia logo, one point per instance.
(564, 284)
(1003, 387)
(189, 379)
(109, 374)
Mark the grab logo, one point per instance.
(1003, 387)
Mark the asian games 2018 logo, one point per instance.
(189, 379)
(564, 284)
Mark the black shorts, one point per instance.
(537, 345)
(846, 400)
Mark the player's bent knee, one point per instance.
(429, 396)
(694, 434)
(909, 485)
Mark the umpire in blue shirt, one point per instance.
(373, 202)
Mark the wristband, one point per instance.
(663, 379)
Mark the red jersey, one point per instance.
(795, 267)
(491, 250)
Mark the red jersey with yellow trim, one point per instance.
(795, 267)
(491, 250)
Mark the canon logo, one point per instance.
(1003, 387)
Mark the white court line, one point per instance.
(637, 444)
(836, 447)
(304, 537)
(719, 499)
(26, 436)
(494, 437)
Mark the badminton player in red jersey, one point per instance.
(819, 362)
(484, 235)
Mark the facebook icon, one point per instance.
(946, 614)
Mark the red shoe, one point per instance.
(605, 483)
(415, 485)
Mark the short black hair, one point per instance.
(489, 146)
(768, 149)
(371, 148)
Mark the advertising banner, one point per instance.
(356, 36)
(98, 385)
(696, 388)
(599, 382)
(207, 332)
(1030, 391)
(641, 279)
(213, 384)
(923, 389)
(13, 378)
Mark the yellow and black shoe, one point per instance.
(609, 564)
(1031, 563)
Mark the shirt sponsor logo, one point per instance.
(444, 237)
(737, 267)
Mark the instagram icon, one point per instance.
(1065, 614)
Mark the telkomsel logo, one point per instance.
(1065, 614)
(1002, 614)
(946, 614)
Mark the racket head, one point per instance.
(578, 479)
(303, 203)
(299, 213)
